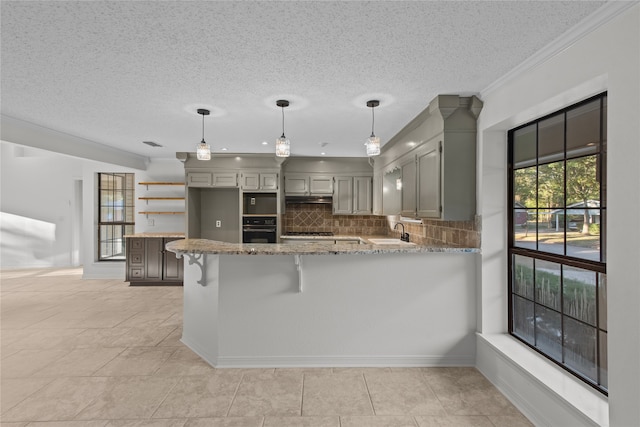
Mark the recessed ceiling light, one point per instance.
(152, 144)
(223, 149)
(323, 153)
(265, 143)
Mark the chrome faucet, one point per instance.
(403, 236)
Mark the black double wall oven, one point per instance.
(259, 218)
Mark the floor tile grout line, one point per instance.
(364, 377)
(180, 379)
(235, 393)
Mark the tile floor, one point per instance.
(95, 353)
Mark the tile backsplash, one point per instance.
(319, 217)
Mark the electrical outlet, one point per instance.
(151, 222)
(218, 224)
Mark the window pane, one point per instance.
(551, 185)
(523, 319)
(579, 293)
(583, 129)
(602, 301)
(524, 230)
(584, 242)
(582, 182)
(604, 361)
(524, 146)
(524, 187)
(580, 348)
(551, 139)
(548, 332)
(551, 232)
(548, 284)
(523, 276)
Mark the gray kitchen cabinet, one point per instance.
(352, 195)
(438, 171)
(408, 172)
(199, 179)
(321, 185)
(212, 179)
(256, 181)
(308, 185)
(148, 263)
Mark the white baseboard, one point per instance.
(342, 361)
(544, 393)
(211, 359)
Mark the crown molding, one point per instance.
(604, 14)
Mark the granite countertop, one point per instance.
(203, 246)
(156, 235)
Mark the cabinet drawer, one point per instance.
(136, 258)
(137, 244)
(136, 273)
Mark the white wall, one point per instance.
(606, 59)
(37, 208)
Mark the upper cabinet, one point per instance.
(352, 195)
(308, 185)
(429, 168)
(259, 181)
(212, 179)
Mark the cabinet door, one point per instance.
(429, 200)
(376, 207)
(250, 181)
(343, 196)
(296, 185)
(268, 181)
(225, 179)
(199, 179)
(172, 266)
(321, 185)
(409, 188)
(362, 195)
(153, 258)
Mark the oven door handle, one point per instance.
(259, 230)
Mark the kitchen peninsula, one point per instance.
(320, 304)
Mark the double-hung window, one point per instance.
(116, 207)
(557, 237)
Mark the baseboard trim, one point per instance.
(211, 359)
(342, 361)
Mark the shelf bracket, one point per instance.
(297, 259)
(199, 260)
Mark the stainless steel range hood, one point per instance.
(308, 200)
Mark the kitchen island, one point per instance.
(326, 304)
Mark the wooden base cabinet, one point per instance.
(148, 263)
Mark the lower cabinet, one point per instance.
(149, 263)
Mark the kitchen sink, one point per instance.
(389, 242)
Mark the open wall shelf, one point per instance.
(160, 198)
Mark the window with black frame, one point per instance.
(557, 230)
(116, 207)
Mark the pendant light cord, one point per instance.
(203, 128)
(283, 137)
(373, 120)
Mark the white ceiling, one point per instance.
(122, 72)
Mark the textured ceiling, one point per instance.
(123, 72)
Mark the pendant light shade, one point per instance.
(373, 142)
(283, 145)
(203, 151)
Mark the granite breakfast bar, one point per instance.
(328, 304)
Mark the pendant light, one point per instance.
(373, 142)
(203, 151)
(283, 146)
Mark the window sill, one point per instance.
(555, 381)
